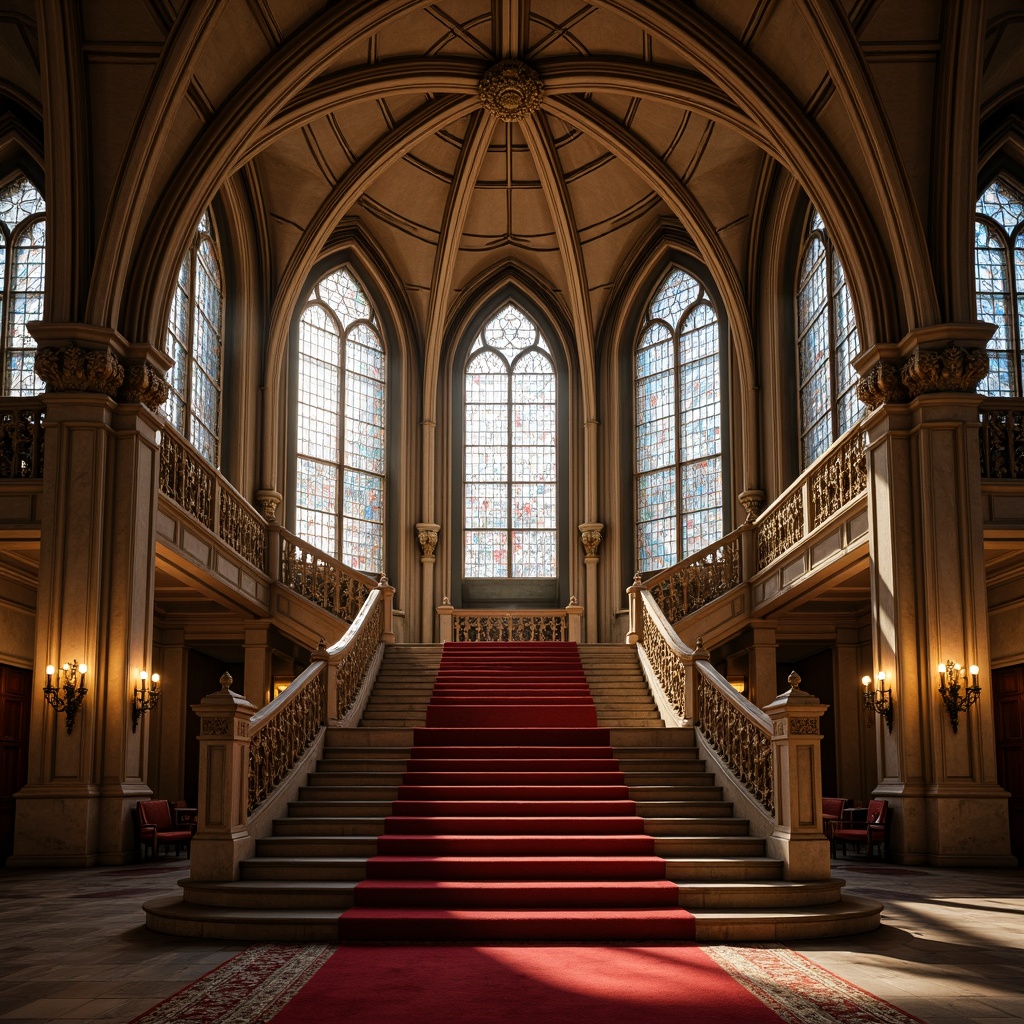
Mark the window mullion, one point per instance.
(677, 417)
(509, 392)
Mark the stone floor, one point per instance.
(73, 945)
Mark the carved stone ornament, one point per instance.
(215, 727)
(924, 372)
(143, 385)
(952, 369)
(426, 534)
(268, 502)
(753, 502)
(883, 383)
(71, 368)
(511, 90)
(591, 536)
(803, 727)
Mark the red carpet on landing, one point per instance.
(513, 820)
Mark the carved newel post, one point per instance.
(636, 610)
(222, 841)
(798, 840)
(387, 593)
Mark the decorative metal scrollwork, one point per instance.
(779, 529)
(185, 479)
(668, 666)
(471, 627)
(21, 440)
(1002, 443)
(353, 666)
(243, 530)
(321, 579)
(279, 741)
(838, 480)
(699, 579)
(743, 743)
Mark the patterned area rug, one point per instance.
(257, 984)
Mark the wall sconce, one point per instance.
(145, 699)
(956, 700)
(70, 691)
(878, 700)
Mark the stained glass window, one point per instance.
(827, 341)
(340, 450)
(999, 285)
(22, 281)
(678, 415)
(195, 341)
(510, 469)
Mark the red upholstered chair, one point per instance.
(157, 827)
(832, 808)
(868, 826)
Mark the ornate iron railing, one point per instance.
(1002, 440)
(740, 732)
(780, 528)
(187, 479)
(665, 661)
(837, 479)
(281, 732)
(356, 651)
(21, 439)
(321, 579)
(242, 528)
(692, 583)
(471, 626)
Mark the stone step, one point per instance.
(326, 825)
(723, 869)
(272, 894)
(755, 895)
(680, 845)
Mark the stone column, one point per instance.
(929, 599)
(95, 597)
(166, 724)
(590, 535)
(427, 533)
(798, 839)
(762, 664)
(854, 724)
(222, 840)
(259, 656)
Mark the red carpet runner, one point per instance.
(513, 819)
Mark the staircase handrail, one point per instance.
(737, 730)
(354, 655)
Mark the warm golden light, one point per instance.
(82, 669)
(156, 677)
(974, 670)
(49, 670)
(866, 680)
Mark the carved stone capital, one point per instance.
(753, 501)
(268, 501)
(591, 535)
(511, 90)
(70, 368)
(950, 369)
(143, 385)
(882, 384)
(426, 534)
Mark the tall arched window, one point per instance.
(195, 341)
(827, 341)
(999, 285)
(678, 410)
(22, 280)
(510, 469)
(340, 449)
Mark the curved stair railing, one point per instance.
(767, 761)
(253, 762)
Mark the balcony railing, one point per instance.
(1002, 439)
(473, 625)
(836, 480)
(21, 438)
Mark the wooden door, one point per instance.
(14, 707)
(1008, 688)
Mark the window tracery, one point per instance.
(510, 473)
(999, 285)
(22, 283)
(340, 448)
(827, 341)
(678, 417)
(195, 341)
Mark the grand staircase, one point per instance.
(338, 832)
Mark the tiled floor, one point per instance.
(73, 945)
